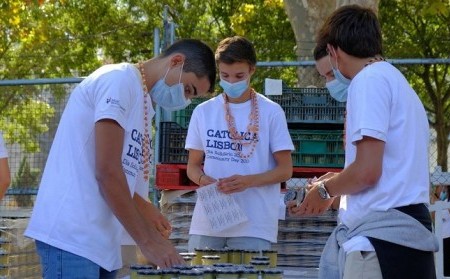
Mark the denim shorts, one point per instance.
(60, 264)
(246, 243)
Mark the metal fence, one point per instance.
(31, 112)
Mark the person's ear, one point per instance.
(330, 50)
(252, 70)
(177, 60)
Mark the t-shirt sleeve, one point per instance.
(370, 108)
(113, 96)
(280, 139)
(3, 150)
(193, 139)
(142, 190)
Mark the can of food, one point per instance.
(190, 274)
(273, 257)
(149, 274)
(272, 273)
(134, 268)
(248, 254)
(210, 259)
(235, 256)
(260, 265)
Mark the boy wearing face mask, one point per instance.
(94, 190)
(384, 228)
(246, 146)
(337, 89)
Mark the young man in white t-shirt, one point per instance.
(94, 190)
(5, 174)
(239, 140)
(384, 226)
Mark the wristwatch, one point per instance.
(323, 192)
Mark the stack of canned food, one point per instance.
(215, 271)
(216, 264)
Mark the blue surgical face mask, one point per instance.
(443, 196)
(337, 90)
(169, 97)
(234, 90)
(337, 73)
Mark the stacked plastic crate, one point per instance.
(315, 122)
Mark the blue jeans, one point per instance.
(246, 243)
(60, 264)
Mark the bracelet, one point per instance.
(200, 178)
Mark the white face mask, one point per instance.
(169, 97)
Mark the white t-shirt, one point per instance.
(382, 105)
(3, 150)
(70, 212)
(208, 131)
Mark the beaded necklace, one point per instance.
(374, 59)
(146, 139)
(252, 127)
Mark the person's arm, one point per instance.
(5, 177)
(363, 173)
(109, 140)
(281, 172)
(152, 215)
(195, 168)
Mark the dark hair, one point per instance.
(354, 29)
(235, 49)
(199, 58)
(320, 50)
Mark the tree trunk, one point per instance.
(306, 17)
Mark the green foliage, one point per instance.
(64, 38)
(421, 29)
(25, 178)
(24, 116)
(264, 22)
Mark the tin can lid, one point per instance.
(170, 271)
(191, 272)
(140, 266)
(272, 271)
(149, 272)
(255, 262)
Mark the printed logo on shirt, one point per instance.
(220, 146)
(114, 102)
(132, 161)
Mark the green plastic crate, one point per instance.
(310, 105)
(318, 148)
(183, 116)
(171, 144)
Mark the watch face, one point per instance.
(323, 193)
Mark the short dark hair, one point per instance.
(199, 58)
(320, 51)
(354, 29)
(235, 49)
